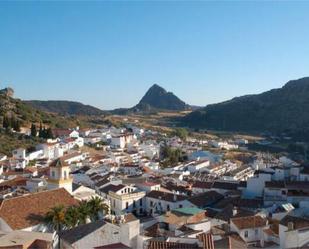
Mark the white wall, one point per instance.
(255, 186)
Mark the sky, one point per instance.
(108, 53)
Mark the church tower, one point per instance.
(59, 175)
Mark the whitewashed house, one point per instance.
(249, 228)
(158, 202)
(126, 199)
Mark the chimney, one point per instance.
(290, 226)
(235, 211)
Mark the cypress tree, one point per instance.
(6, 123)
(16, 126)
(41, 130)
(49, 133)
(33, 130)
(12, 122)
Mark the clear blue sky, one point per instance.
(109, 53)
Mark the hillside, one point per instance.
(13, 109)
(65, 107)
(26, 114)
(155, 99)
(278, 110)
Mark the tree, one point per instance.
(84, 212)
(171, 156)
(41, 133)
(33, 130)
(182, 133)
(6, 122)
(48, 133)
(56, 219)
(96, 206)
(16, 125)
(72, 217)
(12, 122)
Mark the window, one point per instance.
(141, 202)
(134, 204)
(141, 211)
(256, 232)
(180, 205)
(151, 203)
(65, 175)
(246, 234)
(127, 205)
(125, 190)
(168, 207)
(53, 174)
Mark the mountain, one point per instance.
(65, 107)
(279, 110)
(156, 99)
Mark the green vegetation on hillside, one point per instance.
(171, 156)
(64, 107)
(281, 110)
(10, 141)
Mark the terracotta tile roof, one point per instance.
(71, 155)
(17, 181)
(156, 230)
(113, 246)
(166, 196)
(26, 211)
(61, 132)
(149, 184)
(227, 213)
(206, 199)
(30, 169)
(170, 245)
(231, 242)
(207, 240)
(177, 188)
(275, 184)
(249, 222)
(239, 202)
(69, 140)
(26, 240)
(298, 222)
(129, 217)
(112, 188)
(225, 185)
(206, 185)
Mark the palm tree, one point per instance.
(84, 212)
(56, 219)
(72, 217)
(96, 206)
